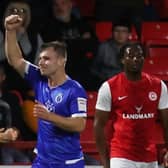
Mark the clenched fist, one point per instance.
(13, 22)
(9, 134)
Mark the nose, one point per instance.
(135, 58)
(40, 62)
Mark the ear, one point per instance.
(122, 61)
(4, 77)
(61, 61)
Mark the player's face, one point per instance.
(50, 62)
(133, 59)
(121, 34)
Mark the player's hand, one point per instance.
(165, 159)
(41, 111)
(13, 22)
(11, 134)
(8, 135)
(2, 129)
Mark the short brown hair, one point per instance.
(59, 47)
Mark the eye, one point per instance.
(16, 10)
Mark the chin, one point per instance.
(43, 73)
(135, 70)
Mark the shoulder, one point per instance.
(76, 87)
(108, 42)
(116, 78)
(31, 69)
(151, 78)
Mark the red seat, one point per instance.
(87, 8)
(154, 31)
(157, 48)
(92, 97)
(18, 94)
(103, 30)
(157, 67)
(87, 136)
(157, 60)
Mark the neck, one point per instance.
(65, 18)
(133, 76)
(54, 81)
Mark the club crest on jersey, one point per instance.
(152, 96)
(59, 98)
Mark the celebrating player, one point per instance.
(60, 101)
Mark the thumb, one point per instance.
(2, 129)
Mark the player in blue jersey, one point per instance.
(61, 101)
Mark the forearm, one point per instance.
(3, 138)
(102, 147)
(165, 127)
(12, 50)
(164, 119)
(72, 124)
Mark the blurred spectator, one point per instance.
(15, 107)
(81, 40)
(113, 10)
(107, 62)
(28, 37)
(64, 25)
(150, 12)
(11, 115)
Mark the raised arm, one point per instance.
(12, 49)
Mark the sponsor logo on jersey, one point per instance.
(81, 103)
(138, 108)
(122, 97)
(138, 114)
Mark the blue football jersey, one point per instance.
(68, 100)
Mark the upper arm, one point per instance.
(163, 102)
(20, 66)
(78, 102)
(104, 98)
(164, 114)
(103, 105)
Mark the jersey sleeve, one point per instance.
(104, 98)
(32, 74)
(163, 102)
(78, 103)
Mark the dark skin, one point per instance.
(132, 61)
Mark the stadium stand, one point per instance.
(154, 31)
(104, 31)
(87, 136)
